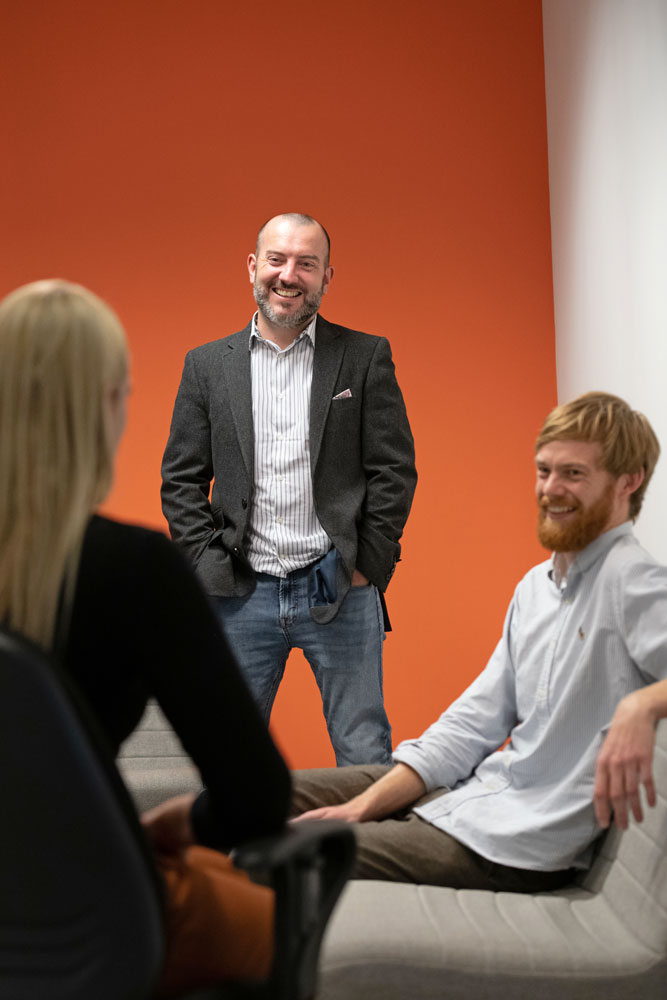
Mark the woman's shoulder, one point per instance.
(107, 531)
(117, 545)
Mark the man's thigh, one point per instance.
(408, 849)
(403, 848)
(252, 627)
(346, 659)
(331, 786)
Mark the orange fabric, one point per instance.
(219, 923)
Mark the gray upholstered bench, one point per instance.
(606, 936)
(603, 937)
(154, 764)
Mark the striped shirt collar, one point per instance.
(308, 332)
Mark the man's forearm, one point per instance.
(188, 513)
(388, 459)
(654, 700)
(397, 789)
(645, 706)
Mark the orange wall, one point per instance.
(144, 144)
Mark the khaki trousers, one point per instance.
(404, 847)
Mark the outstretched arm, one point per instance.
(625, 762)
(395, 790)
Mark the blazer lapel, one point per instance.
(236, 371)
(326, 365)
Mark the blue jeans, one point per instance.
(345, 656)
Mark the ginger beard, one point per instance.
(580, 529)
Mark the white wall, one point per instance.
(606, 88)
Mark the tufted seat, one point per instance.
(153, 763)
(605, 936)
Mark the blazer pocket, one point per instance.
(218, 517)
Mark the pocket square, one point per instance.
(345, 394)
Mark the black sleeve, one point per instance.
(142, 627)
(388, 456)
(187, 467)
(198, 685)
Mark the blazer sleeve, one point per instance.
(187, 466)
(388, 457)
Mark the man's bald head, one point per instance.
(300, 219)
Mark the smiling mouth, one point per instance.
(556, 508)
(287, 293)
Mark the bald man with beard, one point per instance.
(300, 427)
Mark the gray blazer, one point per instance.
(361, 453)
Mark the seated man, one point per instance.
(585, 634)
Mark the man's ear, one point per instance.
(252, 267)
(328, 275)
(631, 481)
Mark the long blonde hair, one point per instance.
(61, 352)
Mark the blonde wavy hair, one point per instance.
(627, 441)
(62, 354)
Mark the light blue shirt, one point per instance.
(568, 654)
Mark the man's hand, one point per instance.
(348, 812)
(168, 825)
(396, 789)
(625, 761)
(358, 579)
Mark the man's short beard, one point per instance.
(574, 536)
(290, 321)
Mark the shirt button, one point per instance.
(279, 520)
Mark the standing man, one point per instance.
(301, 426)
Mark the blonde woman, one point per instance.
(116, 605)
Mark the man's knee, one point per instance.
(330, 786)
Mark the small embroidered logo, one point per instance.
(581, 632)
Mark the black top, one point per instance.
(141, 627)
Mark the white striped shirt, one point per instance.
(569, 653)
(284, 532)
